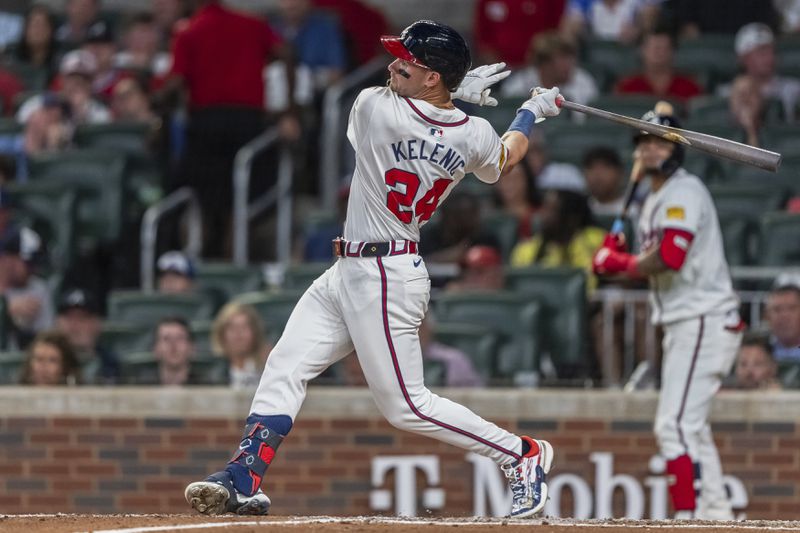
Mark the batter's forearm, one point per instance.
(649, 263)
(517, 145)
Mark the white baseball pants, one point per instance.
(698, 354)
(375, 305)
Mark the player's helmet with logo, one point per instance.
(657, 116)
(434, 46)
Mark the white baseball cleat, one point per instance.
(526, 478)
(217, 495)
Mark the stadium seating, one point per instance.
(513, 317)
(300, 277)
(142, 369)
(4, 323)
(561, 292)
(228, 279)
(501, 115)
(631, 105)
(567, 141)
(504, 228)
(739, 238)
(123, 338)
(615, 58)
(99, 175)
(148, 308)
(274, 308)
(780, 239)
(747, 201)
(478, 342)
(708, 58)
(201, 331)
(32, 78)
(129, 137)
(789, 374)
(11, 366)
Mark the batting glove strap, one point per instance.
(542, 103)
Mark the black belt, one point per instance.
(343, 248)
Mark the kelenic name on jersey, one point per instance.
(422, 150)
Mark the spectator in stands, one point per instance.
(609, 20)
(553, 62)
(173, 348)
(80, 16)
(47, 128)
(567, 237)
(783, 317)
(100, 43)
(77, 71)
(517, 195)
(458, 229)
(37, 45)
(219, 60)
(459, 370)
(29, 300)
(176, 273)
(747, 107)
(756, 367)
(11, 24)
(140, 52)
(130, 102)
(50, 360)
(789, 11)
(504, 28)
(552, 174)
(481, 270)
(166, 13)
(238, 335)
(658, 76)
(316, 39)
(605, 180)
(691, 18)
(79, 319)
(362, 26)
(755, 50)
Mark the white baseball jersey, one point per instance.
(703, 284)
(409, 156)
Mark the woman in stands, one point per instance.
(238, 335)
(50, 361)
(37, 46)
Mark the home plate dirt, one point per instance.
(72, 523)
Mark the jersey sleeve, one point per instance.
(680, 209)
(360, 114)
(490, 154)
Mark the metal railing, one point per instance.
(333, 128)
(149, 231)
(280, 194)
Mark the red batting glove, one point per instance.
(609, 261)
(616, 242)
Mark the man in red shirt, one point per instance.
(504, 28)
(658, 76)
(218, 60)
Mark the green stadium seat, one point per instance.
(616, 58)
(747, 201)
(201, 330)
(478, 342)
(229, 279)
(129, 137)
(787, 177)
(274, 307)
(567, 141)
(715, 111)
(784, 139)
(9, 126)
(434, 373)
(51, 211)
(789, 374)
(739, 238)
(780, 239)
(99, 176)
(709, 59)
(501, 115)
(32, 78)
(5, 324)
(504, 228)
(123, 338)
(11, 366)
(561, 292)
(142, 369)
(514, 317)
(300, 277)
(148, 308)
(630, 105)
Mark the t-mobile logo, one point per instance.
(405, 483)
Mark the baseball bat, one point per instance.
(633, 183)
(709, 144)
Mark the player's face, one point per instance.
(407, 86)
(654, 151)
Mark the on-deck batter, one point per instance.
(693, 299)
(412, 148)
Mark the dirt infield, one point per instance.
(71, 523)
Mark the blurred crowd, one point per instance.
(192, 81)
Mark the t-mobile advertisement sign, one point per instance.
(492, 497)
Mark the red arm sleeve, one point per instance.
(674, 247)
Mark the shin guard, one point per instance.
(680, 473)
(262, 437)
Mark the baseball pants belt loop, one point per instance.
(343, 248)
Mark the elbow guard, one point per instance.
(674, 247)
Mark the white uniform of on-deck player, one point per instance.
(417, 150)
(699, 312)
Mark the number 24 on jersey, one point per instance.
(400, 203)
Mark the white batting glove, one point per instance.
(475, 87)
(542, 103)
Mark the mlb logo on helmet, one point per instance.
(437, 132)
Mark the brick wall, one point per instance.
(140, 461)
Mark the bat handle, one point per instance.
(618, 226)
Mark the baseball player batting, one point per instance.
(692, 297)
(412, 148)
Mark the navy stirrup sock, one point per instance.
(262, 436)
